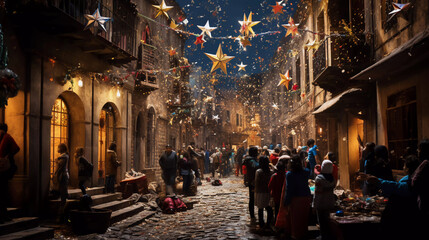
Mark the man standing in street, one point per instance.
(251, 163)
(168, 163)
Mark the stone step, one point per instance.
(76, 193)
(114, 205)
(136, 219)
(105, 198)
(123, 213)
(14, 212)
(18, 224)
(37, 233)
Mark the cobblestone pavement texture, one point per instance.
(221, 213)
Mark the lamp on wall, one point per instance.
(118, 93)
(80, 82)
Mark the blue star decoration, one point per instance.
(97, 20)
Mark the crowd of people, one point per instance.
(282, 176)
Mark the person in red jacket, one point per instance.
(276, 185)
(274, 157)
(8, 149)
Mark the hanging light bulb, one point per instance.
(80, 82)
(118, 93)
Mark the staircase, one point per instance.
(121, 208)
(23, 227)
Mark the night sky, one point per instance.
(225, 14)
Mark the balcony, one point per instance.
(64, 20)
(348, 57)
(148, 56)
(145, 82)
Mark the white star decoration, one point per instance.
(216, 117)
(241, 67)
(206, 29)
(96, 19)
(397, 8)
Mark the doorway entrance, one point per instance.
(106, 135)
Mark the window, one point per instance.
(228, 116)
(237, 119)
(241, 120)
(401, 124)
(59, 130)
(150, 143)
(307, 73)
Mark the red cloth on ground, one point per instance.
(274, 158)
(276, 185)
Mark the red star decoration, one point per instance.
(277, 8)
(295, 87)
(181, 18)
(200, 40)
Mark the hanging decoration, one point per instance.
(96, 20)
(200, 40)
(292, 28)
(241, 67)
(285, 79)
(398, 8)
(313, 45)
(247, 24)
(219, 60)
(277, 8)
(162, 9)
(9, 81)
(206, 29)
(244, 41)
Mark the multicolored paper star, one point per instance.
(277, 8)
(247, 24)
(97, 20)
(285, 79)
(292, 28)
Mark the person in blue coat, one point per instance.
(399, 219)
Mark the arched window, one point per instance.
(150, 141)
(59, 130)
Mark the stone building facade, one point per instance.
(81, 88)
(342, 97)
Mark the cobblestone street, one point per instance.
(221, 213)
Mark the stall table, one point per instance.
(134, 185)
(356, 226)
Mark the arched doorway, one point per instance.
(138, 157)
(67, 126)
(150, 139)
(59, 132)
(106, 135)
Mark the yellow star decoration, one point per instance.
(162, 9)
(173, 24)
(247, 24)
(241, 67)
(285, 79)
(244, 41)
(291, 27)
(213, 81)
(219, 60)
(313, 45)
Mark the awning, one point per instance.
(413, 52)
(334, 101)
